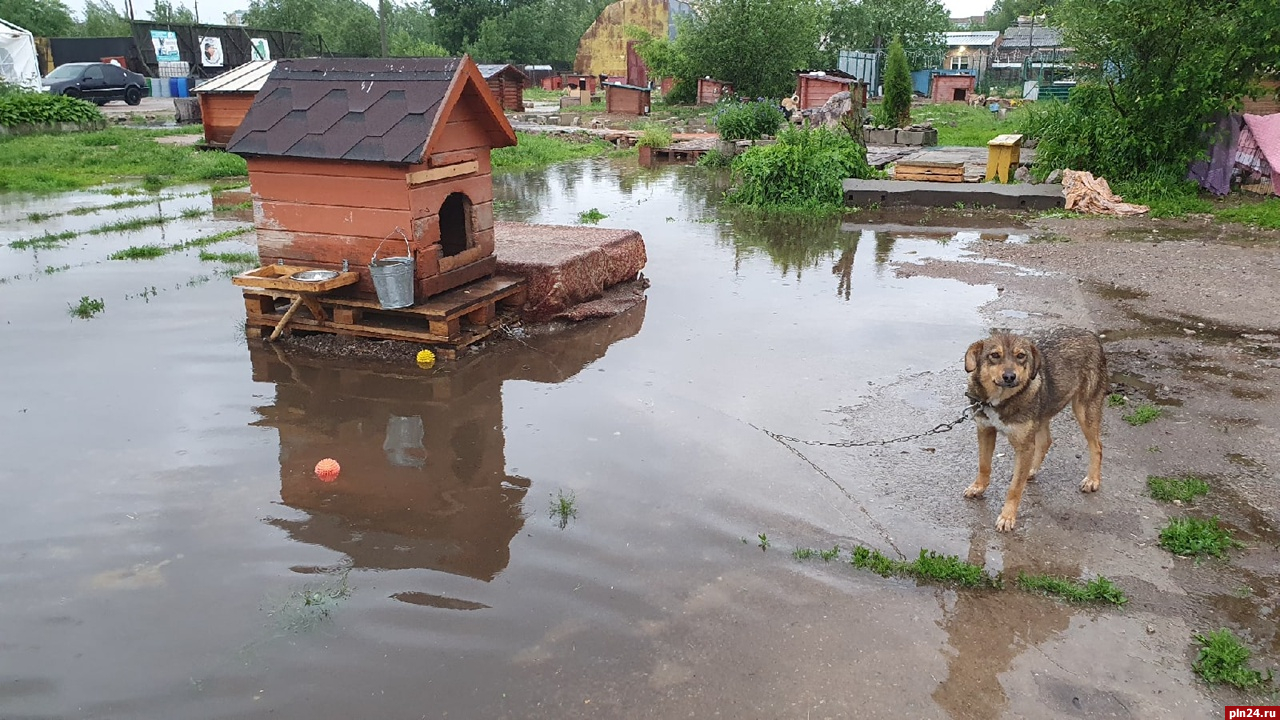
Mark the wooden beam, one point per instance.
(441, 173)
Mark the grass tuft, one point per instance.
(140, 252)
(929, 566)
(1099, 589)
(45, 241)
(1183, 489)
(230, 258)
(564, 508)
(1116, 400)
(1224, 659)
(87, 307)
(1265, 214)
(1193, 536)
(591, 216)
(1142, 414)
(128, 225)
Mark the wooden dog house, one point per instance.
(953, 88)
(507, 83)
(346, 153)
(225, 99)
(815, 87)
(711, 91)
(622, 99)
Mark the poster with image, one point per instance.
(261, 50)
(211, 51)
(166, 45)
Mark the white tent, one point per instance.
(18, 64)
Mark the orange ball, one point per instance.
(327, 470)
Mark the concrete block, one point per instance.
(881, 137)
(910, 137)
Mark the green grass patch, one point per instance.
(826, 555)
(655, 136)
(87, 307)
(119, 205)
(1223, 658)
(230, 258)
(1191, 536)
(591, 216)
(802, 173)
(1115, 400)
(564, 507)
(929, 566)
(1099, 589)
(1265, 214)
(140, 252)
(1167, 196)
(47, 163)
(54, 270)
(45, 241)
(536, 150)
(191, 213)
(1142, 414)
(129, 225)
(1183, 489)
(960, 124)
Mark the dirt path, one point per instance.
(1188, 310)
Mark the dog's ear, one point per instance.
(1035, 362)
(971, 357)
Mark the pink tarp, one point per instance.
(1263, 140)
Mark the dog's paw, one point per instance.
(1005, 522)
(975, 490)
(1090, 484)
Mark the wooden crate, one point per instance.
(448, 322)
(929, 171)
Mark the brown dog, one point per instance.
(1020, 386)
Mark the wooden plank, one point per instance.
(338, 168)
(308, 189)
(328, 219)
(276, 277)
(929, 178)
(469, 337)
(446, 306)
(1008, 139)
(441, 173)
(453, 158)
(426, 199)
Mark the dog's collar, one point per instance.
(976, 403)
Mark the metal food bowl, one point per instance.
(314, 276)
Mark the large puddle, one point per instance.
(168, 552)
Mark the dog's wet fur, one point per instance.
(1021, 385)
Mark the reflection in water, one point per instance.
(424, 481)
(987, 634)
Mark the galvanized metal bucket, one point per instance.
(393, 276)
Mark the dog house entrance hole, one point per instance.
(455, 224)
(959, 94)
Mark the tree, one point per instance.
(755, 44)
(871, 24)
(165, 12)
(1154, 74)
(1004, 13)
(544, 31)
(338, 27)
(458, 22)
(44, 18)
(897, 86)
(101, 19)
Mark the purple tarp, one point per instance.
(1214, 174)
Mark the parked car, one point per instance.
(96, 82)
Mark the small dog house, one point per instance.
(711, 91)
(346, 153)
(225, 99)
(815, 87)
(507, 83)
(622, 99)
(953, 88)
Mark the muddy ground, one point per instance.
(168, 552)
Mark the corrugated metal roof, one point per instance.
(353, 109)
(1016, 37)
(249, 77)
(975, 38)
(489, 71)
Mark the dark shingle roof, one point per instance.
(373, 110)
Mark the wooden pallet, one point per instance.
(929, 166)
(447, 322)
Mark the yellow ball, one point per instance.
(426, 357)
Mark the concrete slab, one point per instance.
(929, 194)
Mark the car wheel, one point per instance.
(132, 95)
(71, 92)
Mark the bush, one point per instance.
(805, 171)
(655, 136)
(747, 121)
(33, 108)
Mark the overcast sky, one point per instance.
(211, 11)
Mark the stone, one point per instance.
(882, 137)
(1054, 177)
(1022, 174)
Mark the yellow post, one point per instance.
(1003, 155)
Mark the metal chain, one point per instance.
(939, 428)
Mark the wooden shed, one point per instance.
(622, 99)
(346, 153)
(815, 87)
(225, 99)
(711, 91)
(507, 83)
(952, 88)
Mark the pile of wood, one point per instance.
(929, 167)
